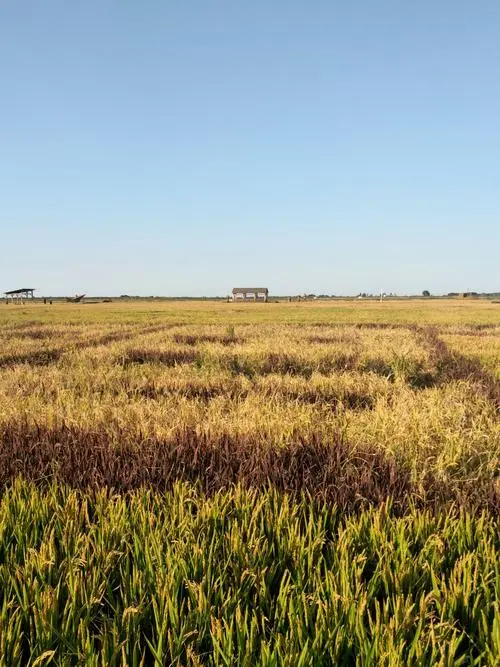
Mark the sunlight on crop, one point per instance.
(242, 484)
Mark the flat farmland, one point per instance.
(196, 483)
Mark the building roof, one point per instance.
(20, 291)
(249, 289)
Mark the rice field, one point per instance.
(199, 483)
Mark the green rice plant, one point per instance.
(241, 578)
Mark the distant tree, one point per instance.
(426, 292)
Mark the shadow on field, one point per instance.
(233, 390)
(36, 358)
(450, 366)
(352, 477)
(195, 339)
(164, 357)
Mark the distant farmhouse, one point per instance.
(251, 294)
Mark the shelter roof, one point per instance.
(20, 291)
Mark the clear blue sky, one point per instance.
(183, 148)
